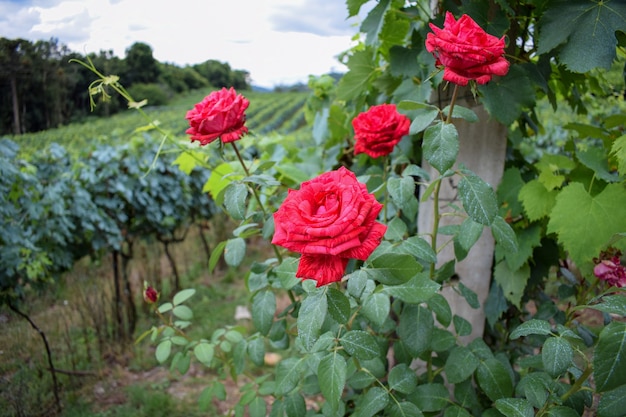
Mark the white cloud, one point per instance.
(277, 41)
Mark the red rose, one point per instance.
(329, 220)
(221, 114)
(379, 129)
(466, 51)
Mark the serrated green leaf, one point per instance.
(504, 235)
(286, 273)
(584, 223)
(430, 397)
(402, 378)
(183, 296)
(401, 190)
(338, 305)
(469, 233)
(373, 24)
(609, 357)
(421, 117)
(515, 407)
(537, 200)
(460, 365)
(441, 145)
(461, 325)
(331, 373)
(479, 199)
(256, 351)
(376, 308)
(393, 268)
(263, 310)
(512, 283)
(440, 306)
(532, 326)
(506, 97)
(470, 296)
(419, 248)
(188, 160)
(288, 374)
(311, 317)
(612, 304)
(361, 71)
(618, 150)
(460, 112)
(494, 379)
(374, 400)
(360, 344)
(234, 251)
(584, 30)
(218, 181)
(613, 403)
(416, 290)
(235, 196)
(405, 409)
(596, 159)
(557, 355)
(415, 328)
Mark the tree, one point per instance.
(141, 67)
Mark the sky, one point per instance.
(279, 42)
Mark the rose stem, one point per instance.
(436, 214)
(256, 197)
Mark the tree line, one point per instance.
(41, 89)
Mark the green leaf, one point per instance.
(216, 254)
(532, 326)
(204, 352)
(422, 115)
(405, 409)
(612, 304)
(416, 290)
(504, 235)
(505, 98)
(584, 31)
(595, 158)
(557, 355)
(183, 312)
(469, 233)
(479, 199)
(163, 350)
(536, 387)
(402, 378)
(585, 223)
(331, 373)
(618, 150)
(419, 248)
(613, 403)
(515, 407)
(415, 328)
(456, 411)
(295, 406)
(609, 358)
(288, 375)
(440, 306)
(441, 145)
(338, 306)
(218, 181)
(512, 283)
(460, 365)
(460, 112)
(235, 196)
(494, 379)
(430, 397)
(360, 344)
(188, 160)
(373, 24)
(393, 268)
(311, 317)
(470, 296)
(234, 251)
(374, 400)
(401, 190)
(537, 200)
(376, 308)
(528, 239)
(183, 296)
(263, 310)
(508, 192)
(461, 325)
(257, 407)
(396, 229)
(361, 71)
(256, 351)
(286, 273)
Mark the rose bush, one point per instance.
(221, 114)
(329, 220)
(379, 129)
(466, 51)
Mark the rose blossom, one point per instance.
(379, 129)
(221, 114)
(609, 268)
(150, 295)
(329, 220)
(466, 51)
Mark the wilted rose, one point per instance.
(609, 268)
(221, 114)
(329, 220)
(379, 129)
(466, 51)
